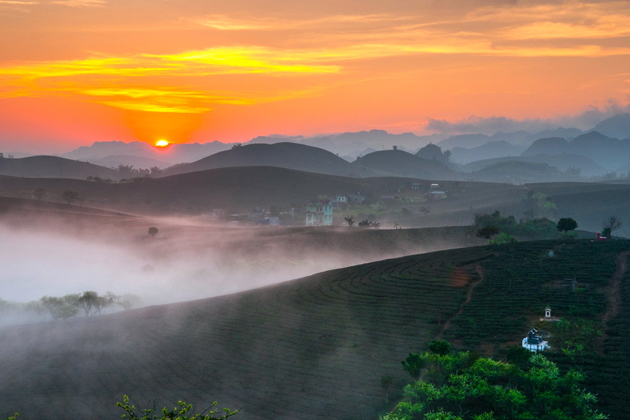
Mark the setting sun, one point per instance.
(161, 143)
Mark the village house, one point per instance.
(534, 342)
(415, 186)
(319, 212)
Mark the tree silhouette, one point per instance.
(70, 196)
(610, 225)
(487, 232)
(566, 224)
(350, 220)
(153, 231)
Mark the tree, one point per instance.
(441, 347)
(566, 224)
(610, 225)
(39, 193)
(153, 231)
(70, 196)
(487, 232)
(463, 386)
(413, 365)
(93, 304)
(349, 220)
(183, 411)
(61, 307)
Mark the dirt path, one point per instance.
(468, 298)
(614, 292)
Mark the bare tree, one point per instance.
(610, 225)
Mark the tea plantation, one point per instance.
(318, 347)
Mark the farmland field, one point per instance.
(314, 347)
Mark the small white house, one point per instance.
(340, 198)
(534, 342)
(319, 213)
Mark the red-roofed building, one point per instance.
(319, 212)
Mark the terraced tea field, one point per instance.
(311, 348)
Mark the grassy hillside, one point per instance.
(589, 204)
(563, 162)
(224, 188)
(317, 347)
(281, 155)
(400, 163)
(242, 188)
(53, 167)
(517, 172)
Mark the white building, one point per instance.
(534, 342)
(319, 213)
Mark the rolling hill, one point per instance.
(617, 126)
(197, 192)
(403, 164)
(548, 146)
(562, 162)
(517, 172)
(317, 347)
(280, 155)
(135, 161)
(53, 167)
(608, 152)
(491, 150)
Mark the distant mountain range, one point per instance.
(610, 153)
(593, 153)
(562, 162)
(347, 145)
(313, 159)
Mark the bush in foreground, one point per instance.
(183, 411)
(463, 386)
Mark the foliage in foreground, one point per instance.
(183, 411)
(463, 386)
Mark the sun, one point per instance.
(161, 143)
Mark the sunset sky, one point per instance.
(77, 71)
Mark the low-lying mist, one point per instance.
(184, 261)
(35, 264)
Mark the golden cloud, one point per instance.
(102, 78)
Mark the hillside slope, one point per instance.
(403, 164)
(317, 347)
(280, 155)
(561, 161)
(53, 167)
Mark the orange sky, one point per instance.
(77, 71)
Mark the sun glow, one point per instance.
(161, 143)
